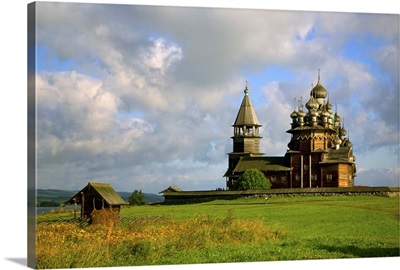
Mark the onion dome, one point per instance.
(301, 113)
(337, 141)
(337, 118)
(319, 91)
(312, 104)
(343, 132)
(294, 114)
(328, 105)
(246, 91)
(325, 113)
(330, 118)
(347, 143)
(313, 112)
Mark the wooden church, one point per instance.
(319, 153)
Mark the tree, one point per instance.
(253, 179)
(137, 198)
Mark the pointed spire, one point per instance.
(246, 115)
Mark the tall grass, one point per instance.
(61, 245)
(295, 228)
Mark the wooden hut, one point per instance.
(96, 196)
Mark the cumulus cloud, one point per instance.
(77, 121)
(146, 95)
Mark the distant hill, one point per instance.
(148, 197)
(55, 197)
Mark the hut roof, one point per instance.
(104, 190)
(171, 189)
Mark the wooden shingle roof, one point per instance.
(261, 163)
(246, 115)
(171, 189)
(341, 155)
(104, 190)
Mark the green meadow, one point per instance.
(241, 230)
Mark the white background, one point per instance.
(13, 128)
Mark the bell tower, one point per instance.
(246, 138)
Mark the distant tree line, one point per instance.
(48, 204)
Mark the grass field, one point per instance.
(242, 230)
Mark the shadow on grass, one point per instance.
(357, 252)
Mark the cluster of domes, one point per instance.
(319, 115)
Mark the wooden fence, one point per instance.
(202, 196)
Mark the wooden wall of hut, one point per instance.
(91, 201)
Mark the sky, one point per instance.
(143, 97)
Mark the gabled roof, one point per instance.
(246, 115)
(171, 188)
(104, 190)
(261, 163)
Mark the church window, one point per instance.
(329, 177)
